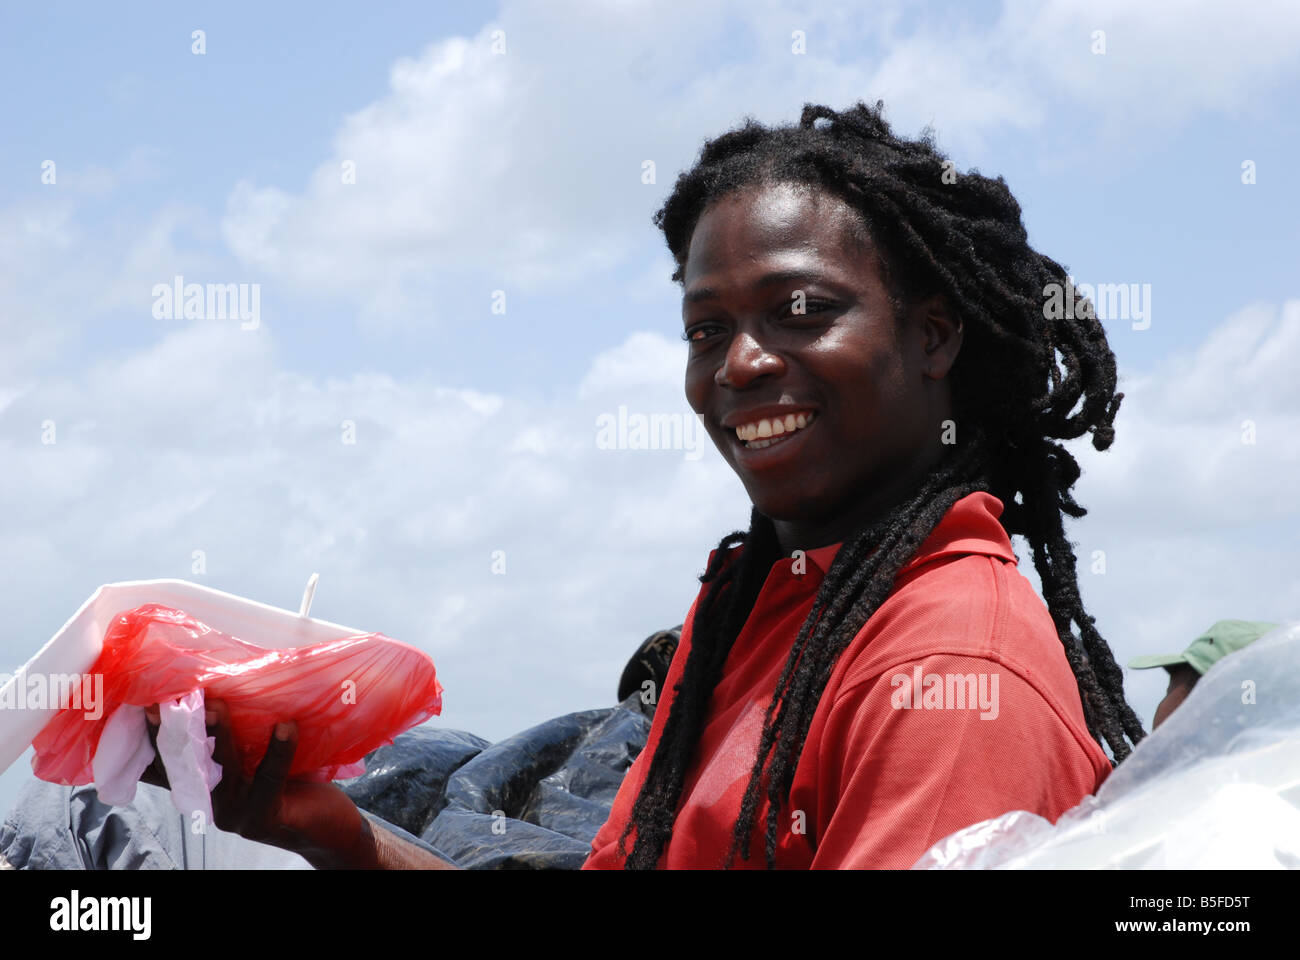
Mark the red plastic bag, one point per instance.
(348, 696)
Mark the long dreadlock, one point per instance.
(960, 236)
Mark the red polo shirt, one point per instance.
(953, 704)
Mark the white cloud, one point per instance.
(1182, 456)
(643, 359)
(479, 170)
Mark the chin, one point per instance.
(801, 509)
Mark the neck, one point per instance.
(862, 513)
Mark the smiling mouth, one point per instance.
(772, 430)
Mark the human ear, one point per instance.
(941, 331)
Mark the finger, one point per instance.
(223, 751)
(225, 795)
(268, 782)
(273, 770)
(155, 773)
(276, 764)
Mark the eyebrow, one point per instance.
(767, 280)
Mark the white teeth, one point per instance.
(763, 433)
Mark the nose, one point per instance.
(746, 360)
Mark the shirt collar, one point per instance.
(970, 526)
(822, 557)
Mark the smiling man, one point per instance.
(868, 351)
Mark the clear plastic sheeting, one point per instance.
(1216, 786)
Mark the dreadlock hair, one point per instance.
(932, 232)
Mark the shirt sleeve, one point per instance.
(904, 764)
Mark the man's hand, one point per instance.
(318, 821)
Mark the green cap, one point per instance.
(1225, 637)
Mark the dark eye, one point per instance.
(699, 332)
(810, 307)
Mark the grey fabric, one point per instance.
(35, 835)
(54, 827)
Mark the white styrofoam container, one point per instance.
(75, 648)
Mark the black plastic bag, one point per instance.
(536, 800)
(405, 781)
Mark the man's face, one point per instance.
(1182, 678)
(844, 368)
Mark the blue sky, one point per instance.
(522, 172)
